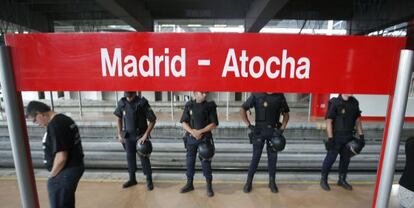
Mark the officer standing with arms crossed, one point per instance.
(342, 117)
(268, 108)
(199, 119)
(133, 111)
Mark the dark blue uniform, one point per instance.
(268, 108)
(198, 116)
(134, 117)
(344, 115)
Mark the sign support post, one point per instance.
(393, 128)
(18, 132)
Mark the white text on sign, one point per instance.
(238, 65)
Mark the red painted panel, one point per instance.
(319, 64)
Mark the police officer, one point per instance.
(268, 108)
(342, 117)
(199, 119)
(133, 111)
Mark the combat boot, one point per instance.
(187, 187)
(150, 185)
(342, 182)
(272, 185)
(129, 183)
(210, 192)
(324, 182)
(248, 186)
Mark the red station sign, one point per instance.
(205, 62)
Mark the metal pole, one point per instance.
(80, 104)
(310, 107)
(51, 100)
(389, 156)
(227, 106)
(172, 107)
(18, 132)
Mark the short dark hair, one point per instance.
(129, 93)
(36, 107)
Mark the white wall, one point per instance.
(30, 95)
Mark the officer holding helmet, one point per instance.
(199, 119)
(132, 112)
(342, 117)
(268, 108)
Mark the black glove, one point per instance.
(278, 132)
(251, 128)
(329, 144)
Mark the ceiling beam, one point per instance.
(132, 12)
(381, 16)
(22, 15)
(261, 12)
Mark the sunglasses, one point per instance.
(34, 117)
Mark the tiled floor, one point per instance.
(105, 194)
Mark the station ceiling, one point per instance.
(364, 16)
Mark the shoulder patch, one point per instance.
(211, 104)
(122, 102)
(354, 100)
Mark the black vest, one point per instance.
(200, 114)
(268, 108)
(133, 115)
(346, 114)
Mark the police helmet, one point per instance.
(206, 150)
(144, 149)
(354, 147)
(277, 143)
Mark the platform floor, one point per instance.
(109, 194)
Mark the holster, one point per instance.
(125, 134)
(185, 137)
(251, 137)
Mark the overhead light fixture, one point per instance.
(193, 25)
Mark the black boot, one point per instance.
(188, 187)
(150, 185)
(248, 186)
(131, 182)
(272, 185)
(324, 182)
(342, 182)
(209, 188)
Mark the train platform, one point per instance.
(107, 193)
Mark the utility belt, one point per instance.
(344, 133)
(188, 139)
(127, 134)
(264, 125)
(261, 134)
